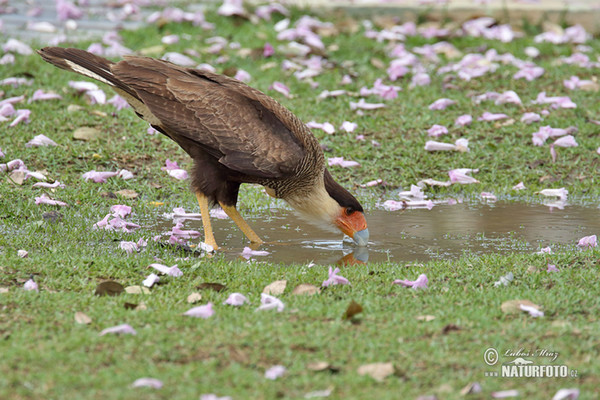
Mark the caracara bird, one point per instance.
(235, 134)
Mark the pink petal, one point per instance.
(588, 241)
(231, 7)
(22, 253)
(98, 177)
(184, 234)
(372, 183)
(529, 118)
(505, 393)
(120, 210)
(566, 141)
(41, 95)
(560, 193)
(269, 302)
(487, 116)
(326, 127)
(441, 104)
(236, 299)
(205, 311)
(335, 279)
(248, 252)
(170, 165)
(553, 153)
(348, 126)
(170, 39)
(566, 394)
(463, 120)
(437, 131)
(179, 59)
(150, 280)
(393, 205)
(339, 161)
(96, 96)
(30, 285)
(460, 175)
(275, 372)
(41, 140)
(129, 247)
(488, 196)
(119, 102)
(281, 88)
(119, 224)
(44, 199)
(552, 268)
(11, 100)
(419, 283)
(519, 186)
(533, 311)
(545, 250)
(362, 104)
(16, 46)
(124, 329)
(7, 110)
(15, 82)
(125, 174)
(173, 271)
(268, 50)
(529, 73)
(218, 213)
(180, 174)
(147, 382)
(420, 79)
(431, 145)
(508, 97)
(243, 76)
(83, 86)
(21, 116)
(67, 10)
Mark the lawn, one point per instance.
(430, 341)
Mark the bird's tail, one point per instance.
(84, 63)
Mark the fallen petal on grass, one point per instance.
(588, 241)
(123, 329)
(269, 302)
(503, 394)
(275, 372)
(236, 299)
(31, 285)
(147, 382)
(420, 283)
(205, 311)
(41, 140)
(566, 394)
(334, 278)
(151, 280)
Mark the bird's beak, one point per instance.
(355, 226)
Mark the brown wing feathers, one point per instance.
(243, 128)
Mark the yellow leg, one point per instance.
(241, 223)
(209, 237)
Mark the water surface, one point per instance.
(445, 232)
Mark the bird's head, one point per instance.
(349, 216)
(333, 208)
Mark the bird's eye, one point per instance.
(348, 211)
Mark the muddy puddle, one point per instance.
(445, 232)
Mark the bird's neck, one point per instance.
(315, 205)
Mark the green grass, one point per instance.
(45, 354)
